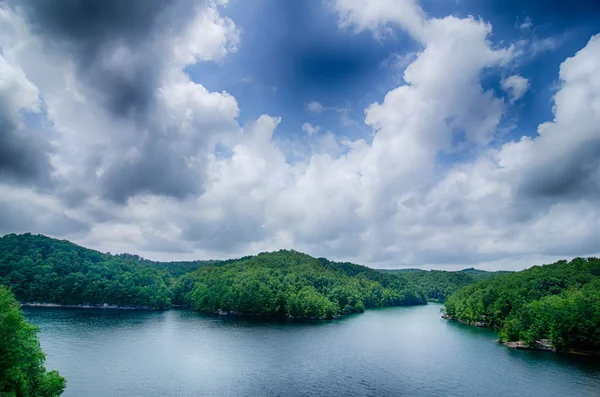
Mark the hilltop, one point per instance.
(283, 283)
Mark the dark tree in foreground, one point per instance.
(22, 371)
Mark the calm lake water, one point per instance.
(406, 351)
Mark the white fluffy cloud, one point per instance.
(516, 86)
(310, 129)
(375, 15)
(145, 178)
(314, 107)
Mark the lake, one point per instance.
(403, 351)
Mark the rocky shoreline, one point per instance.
(86, 306)
(543, 344)
(235, 313)
(479, 324)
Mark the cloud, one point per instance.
(310, 129)
(345, 119)
(526, 24)
(24, 155)
(400, 61)
(563, 162)
(23, 210)
(138, 170)
(131, 122)
(376, 15)
(516, 86)
(101, 38)
(314, 107)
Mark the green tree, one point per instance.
(22, 371)
(559, 302)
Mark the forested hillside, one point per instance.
(559, 302)
(438, 284)
(285, 283)
(289, 283)
(41, 269)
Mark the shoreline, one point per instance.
(119, 307)
(86, 306)
(240, 314)
(218, 312)
(478, 324)
(540, 345)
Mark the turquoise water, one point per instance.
(405, 351)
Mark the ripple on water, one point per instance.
(393, 351)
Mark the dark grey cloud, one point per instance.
(583, 246)
(465, 258)
(92, 22)
(234, 233)
(91, 33)
(159, 170)
(575, 174)
(161, 244)
(21, 217)
(24, 155)
(89, 29)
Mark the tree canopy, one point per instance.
(42, 269)
(559, 302)
(289, 283)
(284, 283)
(439, 284)
(22, 371)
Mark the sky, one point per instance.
(391, 133)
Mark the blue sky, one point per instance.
(293, 52)
(391, 133)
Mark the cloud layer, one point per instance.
(113, 145)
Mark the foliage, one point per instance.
(22, 371)
(439, 284)
(288, 283)
(284, 283)
(560, 302)
(42, 269)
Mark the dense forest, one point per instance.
(42, 269)
(559, 302)
(22, 371)
(285, 283)
(438, 285)
(289, 283)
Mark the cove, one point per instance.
(398, 351)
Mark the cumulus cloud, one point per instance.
(136, 169)
(376, 15)
(563, 162)
(516, 86)
(131, 120)
(310, 129)
(314, 107)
